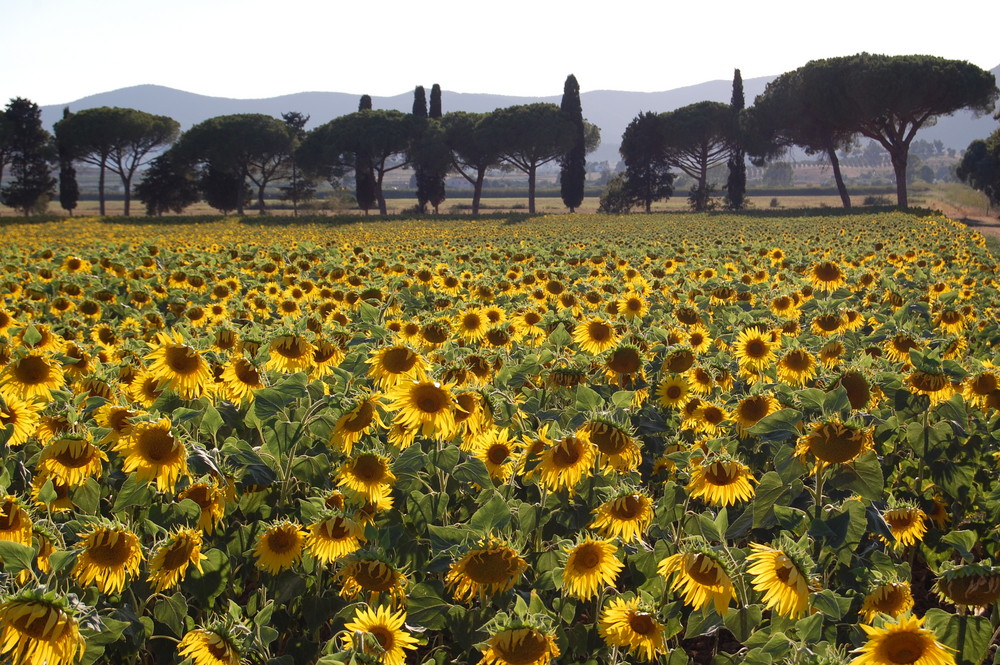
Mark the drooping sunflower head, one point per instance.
(700, 575)
(565, 462)
(211, 499)
(797, 367)
(490, 568)
(891, 598)
(333, 537)
(617, 448)
(721, 481)
(210, 646)
(520, 645)
(832, 441)
(367, 474)
(37, 629)
(72, 459)
(169, 564)
(936, 385)
(372, 578)
(15, 520)
(907, 523)
(827, 275)
(752, 409)
(290, 353)
(358, 419)
(970, 585)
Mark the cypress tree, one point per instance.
(573, 173)
(435, 111)
(366, 103)
(736, 184)
(419, 102)
(364, 178)
(69, 189)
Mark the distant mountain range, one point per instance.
(611, 110)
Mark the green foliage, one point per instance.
(980, 167)
(736, 183)
(647, 165)
(168, 186)
(573, 164)
(27, 147)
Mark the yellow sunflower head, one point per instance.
(333, 537)
(832, 441)
(971, 585)
(37, 629)
(155, 454)
(179, 366)
(700, 576)
(626, 515)
(109, 556)
(617, 448)
(169, 564)
(425, 405)
(891, 598)
(371, 578)
(379, 632)
(902, 642)
(626, 624)
(754, 349)
(590, 565)
(215, 646)
(781, 575)
(280, 546)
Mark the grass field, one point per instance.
(579, 439)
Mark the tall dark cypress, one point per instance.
(435, 110)
(573, 173)
(417, 152)
(69, 189)
(419, 102)
(364, 177)
(736, 184)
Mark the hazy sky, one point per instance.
(57, 51)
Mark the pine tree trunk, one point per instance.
(838, 177)
(100, 190)
(899, 160)
(531, 190)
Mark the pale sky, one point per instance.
(57, 51)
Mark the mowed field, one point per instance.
(566, 438)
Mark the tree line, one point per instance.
(230, 161)
(821, 107)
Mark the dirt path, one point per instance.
(974, 219)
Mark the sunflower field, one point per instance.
(570, 439)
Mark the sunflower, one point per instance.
(935, 385)
(903, 642)
(892, 598)
(623, 366)
(145, 388)
(971, 585)
(379, 633)
(240, 380)
(673, 391)
(367, 474)
(721, 482)
(490, 568)
(754, 349)
(520, 646)
(18, 419)
(471, 325)
(781, 577)
(590, 565)
(708, 418)
(36, 631)
(209, 647)
(595, 335)
(564, 463)
(155, 454)
(859, 392)
(830, 353)
(290, 354)
(495, 448)
(372, 579)
(828, 324)
(355, 422)
(626, 517)
(427, 405)
(701, 578)
(180, 367)
(211, 499)
(832, 441)
(950, 321)
(617, 449)
(784, 306)
(827, 276)
(898, 347)
(907, 523)
(632, 306)
(280, 546)
(32, 375)
(797, 367)
(625, 624)
(108, 556)
(15, 522)
(170, 562)
(71, 460)
(334, 537)
(751, 410)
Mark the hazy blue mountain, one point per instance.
(611, 110)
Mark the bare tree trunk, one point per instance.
(531, 190)
(838, 177)
(899, 160)
(100, 190)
